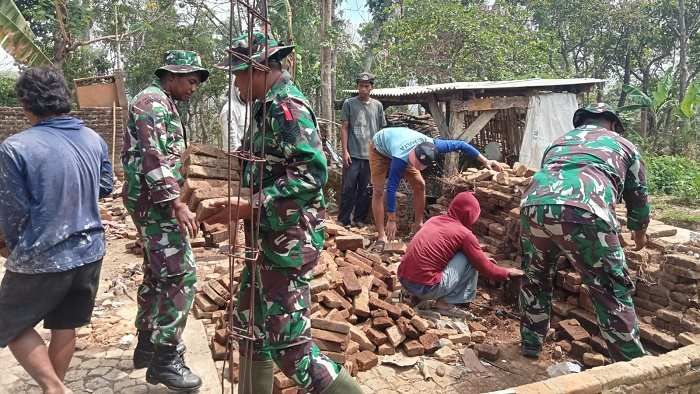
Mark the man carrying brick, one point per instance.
(402, 151)
(291, 211)
(444, 259)
(363, 116)
(570, 209)
(51, 176)
(153, 143)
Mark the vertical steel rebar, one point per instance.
(255, 12)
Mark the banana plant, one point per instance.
(16, 38)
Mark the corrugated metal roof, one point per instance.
(484, 85)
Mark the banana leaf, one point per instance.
(17, 38)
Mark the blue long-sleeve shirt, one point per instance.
(398, 142)
(51, 176)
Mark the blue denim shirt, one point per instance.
(51, 177)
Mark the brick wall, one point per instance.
(674, 372)
(12, 121)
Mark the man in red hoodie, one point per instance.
(444, 259)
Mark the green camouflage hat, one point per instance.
(275, 50)
(183, 62)
(598, 108)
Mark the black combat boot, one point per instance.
(169, 369)
(144, 350)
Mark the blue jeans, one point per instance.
(457, 286)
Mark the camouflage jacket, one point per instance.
(153, 143)
(295, 170)
(593, 168)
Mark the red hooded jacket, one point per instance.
(440, 238)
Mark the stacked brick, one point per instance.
(356, 313)
(12, 121)
(499, 196)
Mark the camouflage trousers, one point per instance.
(282, 326)
(165, 296)
(595, 252)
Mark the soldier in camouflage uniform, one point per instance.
(153, 143)
(292, 212)
(569, 209)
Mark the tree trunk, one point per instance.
(60, 42)
(326, 71)
(625, 79)
(682, 51)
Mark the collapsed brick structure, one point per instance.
(666, 272)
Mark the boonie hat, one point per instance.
(183, 62)
(598, 108)
(241, 52)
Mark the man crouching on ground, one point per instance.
(444, 259)
(51, 176)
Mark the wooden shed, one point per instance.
(483, 112)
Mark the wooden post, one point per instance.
(114, 130)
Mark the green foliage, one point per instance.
(7, 91)
(17, 38)
(443, 40)
(673, 175)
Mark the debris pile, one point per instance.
(666, 273)
(421, 123)
(357, 311)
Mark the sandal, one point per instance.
(378, 246)
(452, 311)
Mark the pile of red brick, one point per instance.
(356, 312)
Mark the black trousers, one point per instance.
(354, 195)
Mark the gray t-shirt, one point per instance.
(365, 119)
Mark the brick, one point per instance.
(579, 348)
(353, 347)
(687, 338)
(330, 336)
(420, 324)
(681, 272)
(214, 296)
(683, 261)
(351, 284)
(281, 381)
(393, 310)
(413, 348)
(430, 342)
(376, 337)
(330, 325)
(386, 350)
(476, 326)
(584, 300)
(349, 242)
(564, 345)
(332, 299)
(205, 303)
(478, 336)
(338, 315)
(357, 335)
(366, 360)
(218, 351)
(382, 323)
(318, 285)
(659, 338)
(669, 316)
(587, 319)
(593, 359)
(338, 357)
(599, 345)
(379, 313)
(361, 301)
(562, 308)
(396, 337)
(395, 247)
(328, 346)
(487, 351)
(407, 328)
(573, 330)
